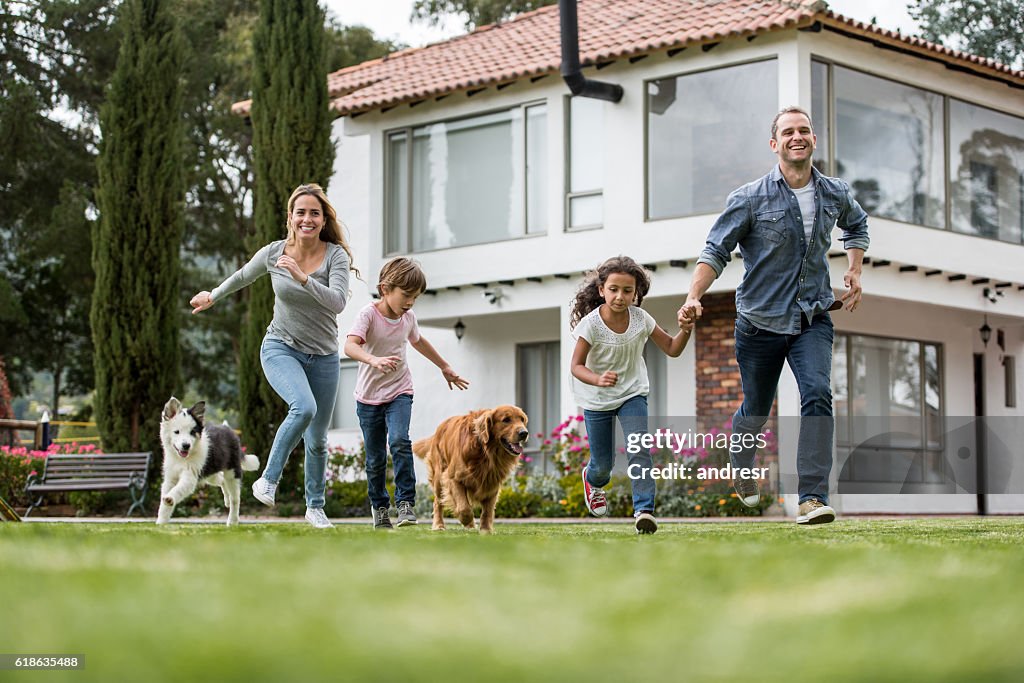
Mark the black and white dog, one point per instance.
(195, 453)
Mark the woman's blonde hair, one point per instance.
(404, 273)
(332, 232)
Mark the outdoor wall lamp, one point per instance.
(460, 329)
(985, 331)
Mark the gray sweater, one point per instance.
(305, 318)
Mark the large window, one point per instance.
(707, 134)
(887, 395)
(888, 141)
(538, 393)
(585, 184)
(889, 147)
(473, 180)
(986, 172)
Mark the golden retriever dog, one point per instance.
(469, 457)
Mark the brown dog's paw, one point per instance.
(168, 500)
(437, 527)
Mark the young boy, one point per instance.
(384, 385)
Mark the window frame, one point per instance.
(569, 194)
(775, 57)
(406, 240)
(848, 445)
(947, 98)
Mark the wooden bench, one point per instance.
(101, 472)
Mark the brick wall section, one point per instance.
(719, 393)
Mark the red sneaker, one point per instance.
(594, 497)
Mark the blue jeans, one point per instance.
(386, 426)
(601, 431)
(308, 383)
(760, 355)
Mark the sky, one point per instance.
(390, 18)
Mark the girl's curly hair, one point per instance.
(588, 296)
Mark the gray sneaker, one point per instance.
(747, 491)
(406, 517)
(381, 520)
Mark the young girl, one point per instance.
(384, 385)
(610, 377)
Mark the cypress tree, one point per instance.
(292, 145)
(136, 242)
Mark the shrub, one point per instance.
(18, 462)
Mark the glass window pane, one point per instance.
(397, 231)
(889, 147)
(586, 211)
(536, 169)
(707, 134)
(840, 389)
(345, 405)
(467, 181)
(820, 114)
(657, 372)
(586, 144)
(538, 393)
(986, 172)
(932, 397)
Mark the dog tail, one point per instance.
(422, 447)
(250, 462)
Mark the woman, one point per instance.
(309, 272)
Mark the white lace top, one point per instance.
(620, 353)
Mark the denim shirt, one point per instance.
(784, 276)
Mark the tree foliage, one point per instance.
(138, 236)
(474, 12)
(291, 145)
(989, 28)
(55, 55)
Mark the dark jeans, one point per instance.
(760, 355)
(386, 426)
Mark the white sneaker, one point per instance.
(317, 518)
(264, 491)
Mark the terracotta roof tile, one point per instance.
(529, 46)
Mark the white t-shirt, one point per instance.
(805, 197)
(620, 353)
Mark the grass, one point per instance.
(914, 600)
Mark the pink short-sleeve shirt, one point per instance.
(384, 337)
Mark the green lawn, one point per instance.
(931, 600)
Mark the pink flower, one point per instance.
(579, 418)
(547, 442)
(574, 449)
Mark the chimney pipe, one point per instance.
(578, 84)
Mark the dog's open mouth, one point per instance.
(513, 448)
(182, 453)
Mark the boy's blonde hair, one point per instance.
(404, 273)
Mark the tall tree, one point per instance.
(989, 28)
(474, 12)
(55, 55)
(291, 145)
(138, 236)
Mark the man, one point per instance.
(782, 224)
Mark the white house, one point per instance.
(471, 156)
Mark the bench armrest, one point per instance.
(31, 480)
